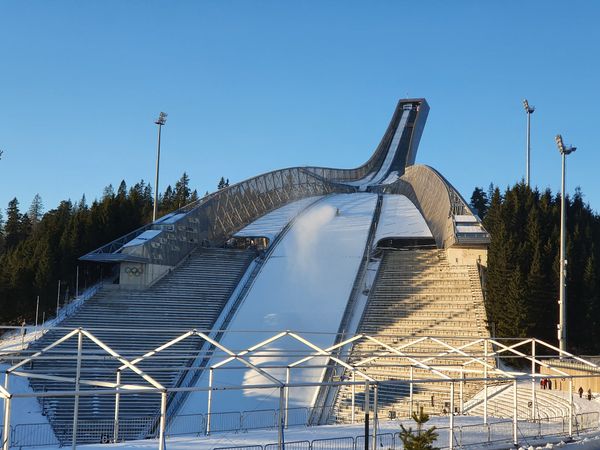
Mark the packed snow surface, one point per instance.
(304, 286)
(271, 224)
(400, 218)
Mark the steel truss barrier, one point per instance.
(473, 367)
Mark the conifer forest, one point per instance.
(522, 278)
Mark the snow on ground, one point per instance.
(23, 410)
(400, 218)
(271, 224)
(303, 286)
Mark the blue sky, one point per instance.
(252, 86)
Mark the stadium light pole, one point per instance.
(562, 302)
(162, 119)
(529, 110)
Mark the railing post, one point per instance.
(461, 391)
(208, 408)
(281, 420)
(515, 413)
(367, 407)
(117, 401)
(353, 396)
(485, 382)
(410, 406)
(571, 408)
(288, 375)
(451, 426)
(533, 395)
(6, 425)
(163, 420)
(77, 376)
(375, 413)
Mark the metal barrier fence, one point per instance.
(464, 436)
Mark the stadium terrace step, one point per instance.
(417, 293)
(133, 323)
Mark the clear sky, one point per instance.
(252, 86)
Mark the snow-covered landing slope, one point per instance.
(303, 286)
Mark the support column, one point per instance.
(485, 382)
(163, 420)
(353, 397)
(375, 414)
(570, 408)
(461, 392)
(280, 419)
(77, 377)
(410, 397)
(533, 383)
(515, 414)
(209, 405)
(367, 407)
(451, 425)
(288, 374)
(117, 404)
(6, 425)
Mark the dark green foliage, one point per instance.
(38, 250)
(419, 440)
(479, 202)
(223, 183)
(523, 265)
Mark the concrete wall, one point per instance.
(140, 275)
(467, 256)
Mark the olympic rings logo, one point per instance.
(134, 271)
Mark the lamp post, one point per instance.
(562, 302)
(529, 110)
(162, 119)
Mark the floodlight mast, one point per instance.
(529, 110)
(162, 119)
(562, 302)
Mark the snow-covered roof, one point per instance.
(400, 218)
(469, 229)
(170, 218)
(271, 224)
(145, 236)
(465, 218)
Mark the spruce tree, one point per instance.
(35, 211)
(422, 439)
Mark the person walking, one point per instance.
(590, 394)
(549, 384)
(580, 392)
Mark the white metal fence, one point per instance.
(42, 434)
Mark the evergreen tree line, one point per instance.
(38, 249)
(522, 280)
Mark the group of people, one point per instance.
(546, 383)
(589, 393)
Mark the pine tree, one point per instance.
(182, 191)
(221, 184)
(35, 211)
(421, 440)
(17, 225)
(479, 202)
